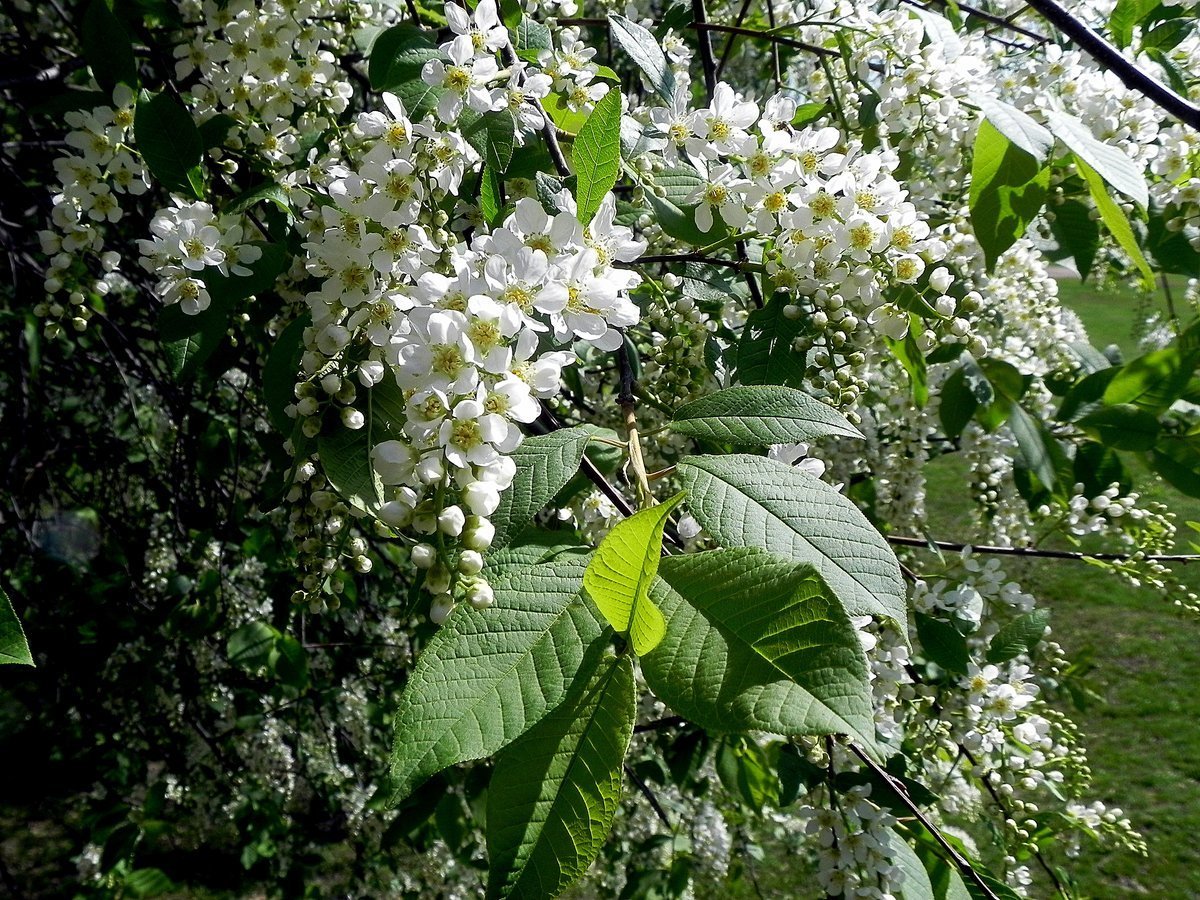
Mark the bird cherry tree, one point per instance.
(551, 392)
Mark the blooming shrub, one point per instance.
(548, 392)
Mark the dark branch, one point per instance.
(1110, 58)
(750, 32)
(903, 541)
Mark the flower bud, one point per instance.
(470, 562)
(440, 608)
(423, 556)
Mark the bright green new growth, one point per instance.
(760, 415)
(597, 155)
(489, 675)
(554, 793)
(758, 643)
(619, 577)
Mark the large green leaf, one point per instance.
(14, 649)
(170, 143)
(759, 416)
(1116, 221)
(596, 156)
(643, 48)
(757, 642)
(1153, 381)
(554, 792)
(398, 55)
(489, 675)
(619, 577)
(1008, 189)
(766, 352)
(1017, 126)
(1113, 165)
(545, 463)
(1126, 15)
(750, 501)
(107, 48)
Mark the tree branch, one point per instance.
(905, 541)
(1110, 58)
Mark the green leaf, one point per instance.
(281, 372)
(1177, 460)
(1122, 427)
(419, 98)
(1018, 127)
(1008, 189)
(745, 769)
(531, 34)
(1116, 222)
(554, 793)
(545, 463)
(619, 576)
(14, 649)
(398, 55)
(677, 218)
(491, 203)
(492, 134)
(188, 341)
(759, 416)
(1126, 16)
(644, 49)
(1153, 381)
(107, 48)
(346, 458)
(250, 646)
(1019, 636)
(909, 354)
(756, 642)
(943, 644)
(149, 883)
(958, 402)
(1033, 446)
(489, 675)
(1110, 162)
(749, 501)
(170, 143)
(1077, 233)
(596, 156)
(916, 884)
(766, 354)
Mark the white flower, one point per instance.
(464, 80)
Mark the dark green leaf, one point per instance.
(170, 143)
(398, 55)
(544, 464)
(107, 48)
(1008, 189)
(14, 649)
(1019, 636)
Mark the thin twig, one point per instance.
(774, 38)
(904, 541)
(649, 795)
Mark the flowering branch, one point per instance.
(963, 866)
(1111, 58)
(774, 38)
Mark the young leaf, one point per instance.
(491, 203)
(170, 143)
(14, 649)
(1153, 381)
(596, 157)
(643, 48)
(1110, 162)
(750, 501)
(757, 642)
(545, 463)
(1116, 221)
(398, 55)
(1019, 636)
(489, 675)
(554, 793)
(760, 415)
(619, 576)
(107, 48)
(1008, 189)
(1126, 15)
